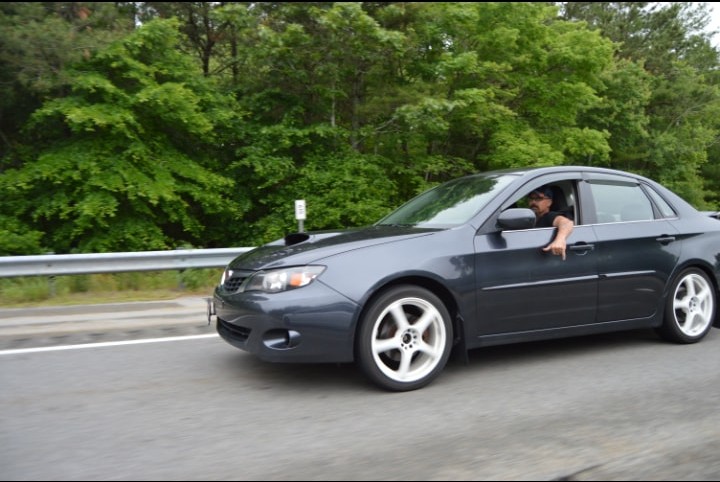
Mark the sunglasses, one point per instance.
(537, 198)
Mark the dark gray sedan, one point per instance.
(464, 266)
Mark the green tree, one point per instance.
(128, 160)
(420, 92)
(37, 41)
(494, 85)
(303, 90)
(204, 30)
(663, 122)
(204, 127)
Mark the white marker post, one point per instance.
(300, 214)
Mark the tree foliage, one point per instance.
(125, 160)
(662, 111)
(162, 124)
(38, 41)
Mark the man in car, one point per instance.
(540, 202)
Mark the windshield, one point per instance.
(449, 204)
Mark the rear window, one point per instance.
(616, 203)
(665, 209)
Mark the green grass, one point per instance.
(106, 288)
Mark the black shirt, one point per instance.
(547, 219)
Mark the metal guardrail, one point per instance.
(68, 264)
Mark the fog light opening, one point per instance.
(281, 339)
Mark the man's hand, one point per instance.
(557, 247)
(559, 244)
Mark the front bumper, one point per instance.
(313, 324)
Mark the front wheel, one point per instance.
(690, 308)
(405, 338)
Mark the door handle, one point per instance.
(582, 247)
(665, 239)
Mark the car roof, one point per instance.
(537, 171)
(560, 169)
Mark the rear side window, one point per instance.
(616, 203)
(665, 210)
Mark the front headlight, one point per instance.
(284, 279)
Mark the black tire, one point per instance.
(689, 308)
(394, 350)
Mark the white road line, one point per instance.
(109, 343)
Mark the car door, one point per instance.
(637, 249)
(520, 288)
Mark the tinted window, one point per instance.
(663, 206)
(616, 203)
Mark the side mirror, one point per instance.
(516, 218)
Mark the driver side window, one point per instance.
(562, 194)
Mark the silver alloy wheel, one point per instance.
(693, 305)
(409, 339)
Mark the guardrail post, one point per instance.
(181, 283)
(51, 281)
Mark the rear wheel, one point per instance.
(405, 338)
(690, 308)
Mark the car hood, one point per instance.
(304, 248)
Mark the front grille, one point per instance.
(235, 279)
(233, 284)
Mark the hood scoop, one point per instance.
(296, 238)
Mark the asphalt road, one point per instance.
(611, 407)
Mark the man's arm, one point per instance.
(559, 244)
